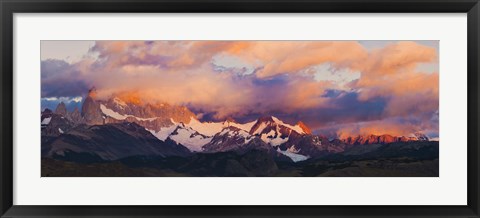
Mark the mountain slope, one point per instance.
(177, 125)
(275, 132)
(230, 138)
(113, 141)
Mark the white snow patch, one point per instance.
(295, 157)
(270, 138)
(293, 149)
(109, 112)
(212, 128)
(296, 128)
(187, 138)
(264, 138)
(246, 127)
(164, 132)
(143, 119)
(46, 121)
(206, 128)
(273, 141)
(226, 131)
(271, 133)
(260, 128)
(60, 131)
(244, 134)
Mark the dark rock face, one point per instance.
(91, 111)
(150, 116)
(268, 121)
(61, 109)
(75, 116)
(269, 125)
(46, 113)
(313, 145)
(113, 141)
(148, 110)
(55, 125)
(230, 138)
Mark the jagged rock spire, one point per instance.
(61, 109)
(91, 109)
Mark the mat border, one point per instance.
(9, 7)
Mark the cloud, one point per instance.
(64, 99)
(60, 79)
(280, 57)
(393, 72)
(341, 107)
(396, 126)
(323, 83)
(70, 103)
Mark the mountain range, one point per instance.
(171, 138)
(155, 128)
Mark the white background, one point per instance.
(448, 189)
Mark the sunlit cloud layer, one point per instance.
(335, 87)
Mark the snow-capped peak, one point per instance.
(297, 128)
(189, 138)
(276, 132)
(272, 121)
(212, 128)
(245, 127)
(205, 128)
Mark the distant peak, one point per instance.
(61, 109)
(47, 110)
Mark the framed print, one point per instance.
(139, 125)
(239, 109)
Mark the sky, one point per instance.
(337, 88)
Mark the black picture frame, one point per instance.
(9, 7)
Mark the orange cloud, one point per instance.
(393, 68)
(292, 56)
(181, 72)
